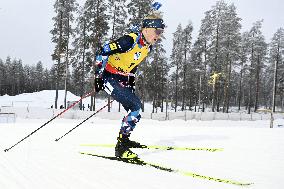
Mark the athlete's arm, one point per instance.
(121, 45)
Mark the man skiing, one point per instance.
(117, 63)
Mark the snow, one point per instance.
(252, 153)
(46, 98)
(38, 106)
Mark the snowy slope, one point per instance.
(252, 153)
(46, 99)
(37, 99)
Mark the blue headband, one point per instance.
(153, 23)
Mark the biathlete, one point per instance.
(117, 63)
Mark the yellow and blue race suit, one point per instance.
(124, 55)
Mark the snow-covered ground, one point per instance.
(46, 99)
(253, 153)
(38, 106)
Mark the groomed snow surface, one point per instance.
(253, 153)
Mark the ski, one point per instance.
(139, 161)
(158, 147)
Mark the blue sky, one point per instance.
(25, 25)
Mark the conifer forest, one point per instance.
(222, 69)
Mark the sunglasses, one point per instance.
(159, 31)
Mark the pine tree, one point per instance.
(243, 58)
(20, 81)
(155, 73)
(276, 56)
(9, 76)
(186, 38)
(39, 76)
(53, 76)
(61, 34)
(97, 28)
(258, 50)
(212, 27)
(118, 16)
(197, 74)
(2, 78)
(138, 10)
(199, 60)
(176, 61)
(218, 45)
(47, 82)
(28, 80)
(231, 41)
(81, 54)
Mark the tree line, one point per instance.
(223, 69)
(16, 78)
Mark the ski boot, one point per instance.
(122, 148)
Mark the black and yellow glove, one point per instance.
(131, 82)
(99, 84)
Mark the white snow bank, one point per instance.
(38, 106)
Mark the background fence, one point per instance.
(43, 113)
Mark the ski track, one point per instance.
(250, 155)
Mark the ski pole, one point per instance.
(83, 121)
(88, 94)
